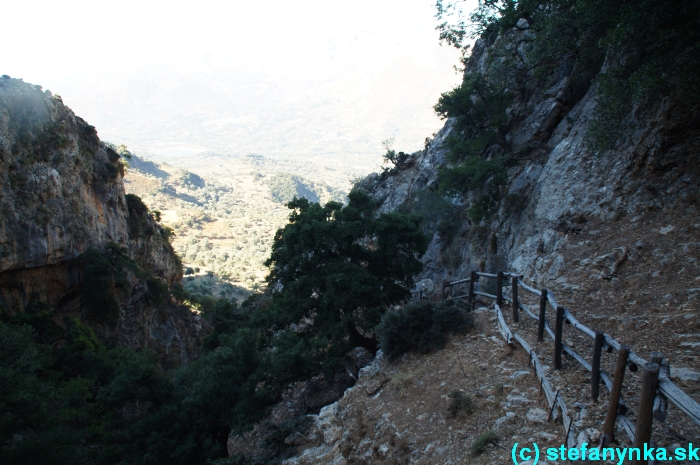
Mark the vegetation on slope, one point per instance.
(421, 326)
(284, 187)
(226, 219)
(636, 54)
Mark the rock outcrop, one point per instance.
(558, 184)
(62, 194)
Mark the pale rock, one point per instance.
(518, 400)
(519, 374)
(508, 417)
(536, 415)
(684, 374)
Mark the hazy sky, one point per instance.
(67, 46)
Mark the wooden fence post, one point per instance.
(499, 289)
(558, 333)
(595, 365)
(642, 431)
(514, 285)
(472, 283)
(660, 401)
(543, 310)
(615, 393)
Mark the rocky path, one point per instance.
(399, 412)
(574, 385)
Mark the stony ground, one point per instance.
(650, 303)
(399, 411)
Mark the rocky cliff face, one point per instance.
(558, 189)
(614, 235)
(61, 195)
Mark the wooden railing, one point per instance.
(657, 387)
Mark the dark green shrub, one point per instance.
(461, 403)
(437, 213)
(476, 173)
(479, 108)
(138, 214)
(157, 289)
(480, 443)
(420, 326)
(178, 292)
(274, 448)
(514, 203)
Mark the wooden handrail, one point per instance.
(486, 275)
(529, 289)
(490, 296)
(503, 327)
(575, 323)
(459, 281)
(669, 389)
(552, 301)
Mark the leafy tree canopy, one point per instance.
(334, 270)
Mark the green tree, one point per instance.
(334, 270)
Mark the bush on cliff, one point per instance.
(421, 326)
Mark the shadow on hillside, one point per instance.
(209, 284)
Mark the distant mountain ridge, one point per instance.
(341, 115)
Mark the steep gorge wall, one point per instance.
(61, 194)
(559, 187)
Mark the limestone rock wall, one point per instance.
(558, 185)
(61, 192)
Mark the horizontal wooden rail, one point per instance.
(486, 275)
(460, 281)
(575, 323)
(539, 370)
(552, 399)
(529, 289)
(465, 296)
(502, 326)
(604, 376)
(484, 294)
(491, 296)
(672, 392)
(679, 398)
(493, 275)
(548, 328)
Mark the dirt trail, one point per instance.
(406, 417)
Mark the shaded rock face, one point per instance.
(300, 403)
(558, 185)
(62, 193)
